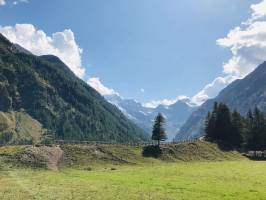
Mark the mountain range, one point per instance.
(40, 96)
(242, 95)
(175, 114)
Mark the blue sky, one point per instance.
(143, 49)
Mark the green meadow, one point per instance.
(184, 171)
(196, 180)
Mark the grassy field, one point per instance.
(186, 172)
(197, 180)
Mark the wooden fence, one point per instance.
(73, 142)
(61, 142)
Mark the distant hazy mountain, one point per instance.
(242, 95)
(42, 92)
(175, 114)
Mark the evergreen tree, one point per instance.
(207, 125)
(222, 126)
(158, 132)
(249, 121)
(257, 131)
(237, 132)
(234, 130)
(210, 124)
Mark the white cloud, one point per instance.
(211, 89)
(156, 103)
(142, 90)
(16, 2)
(61, 44)
(247, 43)
(248, 47)
(2, 2)
(166, 102)
(20, 1)
(258, 10)
(96, 83)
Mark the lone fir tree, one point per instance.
(158, 132)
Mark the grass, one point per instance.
(197, 180)
(185, 171)
(21, 125)
(99, 155)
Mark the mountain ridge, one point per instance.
(242, 95)
(175, 114)
(46, 89)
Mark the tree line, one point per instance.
(234, 130)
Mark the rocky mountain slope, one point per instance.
(175, 114)
(242, 95)
(52, 96)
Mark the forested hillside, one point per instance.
(65, 106)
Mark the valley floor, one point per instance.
(199, 180)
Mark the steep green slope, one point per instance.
(19, 127)
(49, 92)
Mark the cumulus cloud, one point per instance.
(16, 2)
(258, 11)
(61, 44)
(248, 47)
(96, 83)
(2, 2)
(166, 102)
(211, 89)
(20, 1)
(156, 103)
(247, 44)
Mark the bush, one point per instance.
(5, 137)
(25, 141)
(47, 142)
(88, 169)
(152, 151)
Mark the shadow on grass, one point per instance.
(151, 151)
(223, 146)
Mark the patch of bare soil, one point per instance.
(43, 156)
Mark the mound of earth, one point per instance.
(33, 156)
(90, 154)
(197, 151)
(108, 155)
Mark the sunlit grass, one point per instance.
(197, 180)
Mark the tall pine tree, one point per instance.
(210, 124)
(257, 131)
(158, 132)
(224, 126)
(237, 131)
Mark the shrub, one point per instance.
(152, 151)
